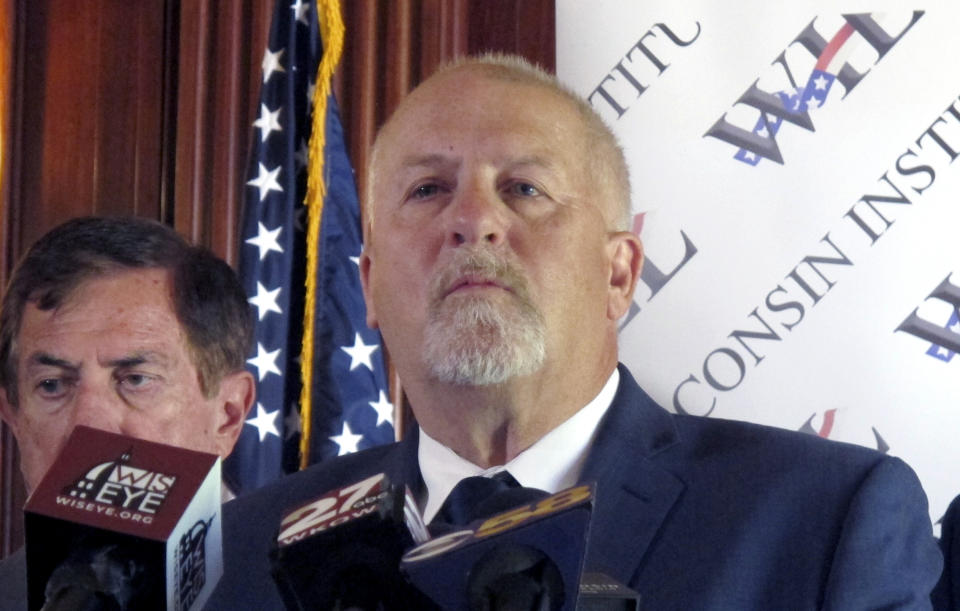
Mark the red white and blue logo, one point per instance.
(793, 104)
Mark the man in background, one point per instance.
(497, 265)
(119, 324)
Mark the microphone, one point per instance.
(527, 558)
(343, 550)
(599, 592)
(121, 523)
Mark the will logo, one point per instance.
(944, 340)
(192, 564)
(793, 104)
(826, 427)
(117, 484)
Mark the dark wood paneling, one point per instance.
(221, 45)
(89, 141)
(522, 27)
(11, 484)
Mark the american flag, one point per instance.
(348, 408)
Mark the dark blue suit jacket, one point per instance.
(946, 596)
(694, 513)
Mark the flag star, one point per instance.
(301, 8)
(266, 422)
(943, 353)
(271, 63)
(384, 409)
(302, 155)
(268, 122)
(955, 327)
(748, 156)
(360, 353)
(356, 261)
(762, 131)
(266, 240)
(265, 362)
(820, 82)
(300, 219)
(266, 181)
(347, 441)
(291, 424)
(265, 301)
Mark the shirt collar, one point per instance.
(552, 463)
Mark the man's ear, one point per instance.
(365, 264)
(626, 261)
(234, 399)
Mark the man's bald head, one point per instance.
(603, 157)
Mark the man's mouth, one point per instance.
(474, 282)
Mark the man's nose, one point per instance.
(479, 217)
(97, 406)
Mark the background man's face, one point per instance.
(112, 356)
(474, 163)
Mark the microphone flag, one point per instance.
(124, 520)
(343, 549)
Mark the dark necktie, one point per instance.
(480, 497)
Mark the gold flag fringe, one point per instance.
(331, 35)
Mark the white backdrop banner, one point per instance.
(796, 188)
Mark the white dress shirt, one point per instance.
(551, 464)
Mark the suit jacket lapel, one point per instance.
(634, 495)
(401, 463)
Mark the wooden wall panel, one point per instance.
(11, 489)
(221, 44)
(89, 144)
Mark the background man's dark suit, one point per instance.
(13, 581)
(692, 512)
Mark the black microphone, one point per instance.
(527, 558)
(342, 551)
(120, 523)
(599, 592)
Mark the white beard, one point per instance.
(472, 340)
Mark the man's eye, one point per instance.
(525, 189)
(424, 191)
(135, 381)
(50, 386)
